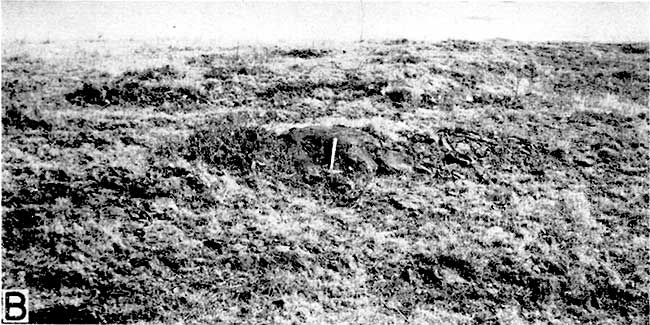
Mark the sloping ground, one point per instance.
(474, 182)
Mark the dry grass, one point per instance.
(522, 197)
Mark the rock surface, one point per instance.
(393, 162)
(313, 146)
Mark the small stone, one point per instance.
(423, 170)
(282, 248)
(480, 151)
(584, 161)
(445, 144)
(312, 173)
(451, 277)
(237, 248)
(463, 148)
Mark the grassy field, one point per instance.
(493, 182)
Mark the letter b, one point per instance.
(15, 306)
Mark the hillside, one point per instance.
(474, 182)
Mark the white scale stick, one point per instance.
(333, 154)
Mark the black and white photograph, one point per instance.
(325, 162)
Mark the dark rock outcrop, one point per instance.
(312, 146)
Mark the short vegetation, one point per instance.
(474, 182)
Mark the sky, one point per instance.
(331, 21)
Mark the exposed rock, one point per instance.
(312, 173)
(423, 170)
(463, 148)
(313, 146)
(392, 162)
(445, 144)
(481, 151)
(451, 277)
(461, 160)
(360, 157)
(584, 161)
(356, 152)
